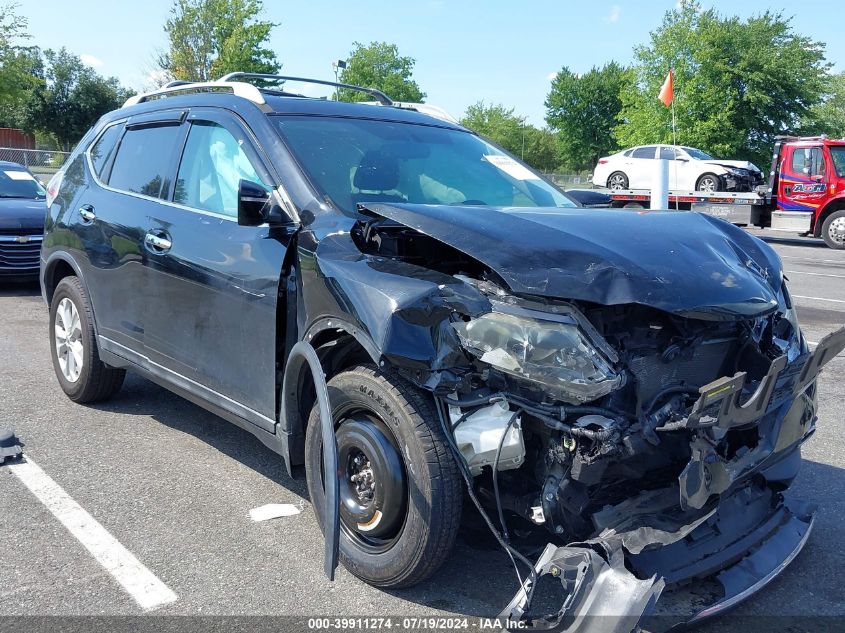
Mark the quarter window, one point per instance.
(144, 159)
(213, 164)
(104, 148)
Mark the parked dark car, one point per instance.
(22, 211)
(633, 386)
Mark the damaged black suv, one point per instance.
(382, 294)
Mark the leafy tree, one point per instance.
(828, 115)
(71, 98)
(20, 67)
(584, 110)
(379, 65)
(499, 124)
(210, 38)
(737, 83)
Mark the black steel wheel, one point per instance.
(399, 487)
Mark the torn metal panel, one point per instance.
(601, 595)
(683, 263)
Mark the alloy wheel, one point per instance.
(68, 339)
(836, 230)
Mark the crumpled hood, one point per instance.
(681, 262)
(739, 164)
(20, 213)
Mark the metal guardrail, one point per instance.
(41, 162)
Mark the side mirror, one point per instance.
(253, 203)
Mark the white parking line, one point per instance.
(816, 298)
(138, 581)
(801, 272)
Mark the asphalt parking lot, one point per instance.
(174, 486)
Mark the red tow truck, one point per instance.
(805, 193)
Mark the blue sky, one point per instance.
(499, 51)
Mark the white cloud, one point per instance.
(91, 60)
(155, 79)
(615, 12)
(551, 76)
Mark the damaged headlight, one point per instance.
(555, 354)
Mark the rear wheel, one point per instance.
(76, 359)
(709, 183)
(833, 229)
(400, 494)
(617, 180)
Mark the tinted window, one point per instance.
(213, 164)
(143, 160)
(698, 154)
(19, 183)
(808, 161)
(643, 152)
(357, 161)
(837, 156)
(668, 153)
(103, 148)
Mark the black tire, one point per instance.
(718, 185)
(617, 181)
(96, 381)
(433, 494)
(833, 230)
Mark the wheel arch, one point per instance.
(833, 205)
(339, 345)
(56, 268)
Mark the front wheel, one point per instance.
(400, 492)
(833, 229)
(709, 183)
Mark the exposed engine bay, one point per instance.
(623, 429)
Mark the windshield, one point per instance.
(356, 161)
(18, 183)
(698, 154)
(837, 157)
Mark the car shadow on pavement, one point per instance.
(478, 580)
(19, 289)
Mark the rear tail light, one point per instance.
(53, 187)
(602, 161)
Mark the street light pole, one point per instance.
(337, 65)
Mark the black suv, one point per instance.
(634, 385)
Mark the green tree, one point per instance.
(737, 83)
(71, 98)
(210, 38)
(20, 68)
(379, 65)
(499, 124)
(828, 115)
(584, 110)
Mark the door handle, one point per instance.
(86, 212)
(157, 243)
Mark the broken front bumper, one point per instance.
(745, 543)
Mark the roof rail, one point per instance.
(378, 94)
(239, 89)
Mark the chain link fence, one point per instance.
(571, 181)
(41, 162)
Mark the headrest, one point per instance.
(377, 172)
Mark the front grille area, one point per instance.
(19, 257)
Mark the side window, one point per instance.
(668, 153)
(102, 150)
(144, 158)
(643, 152)
(808, 161)
(213, 164)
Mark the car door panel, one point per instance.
(214, 289)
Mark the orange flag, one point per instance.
(667, 91)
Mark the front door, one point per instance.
(214, 284)
(802, 184)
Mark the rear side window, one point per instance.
(643, 152)
(213, 164)
(102, 150)
(144, 159)
(668, 153)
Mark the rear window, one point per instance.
(104, 147)
(144, 159)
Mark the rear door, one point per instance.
(214, 285)
(130, 162)
(641, 167)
